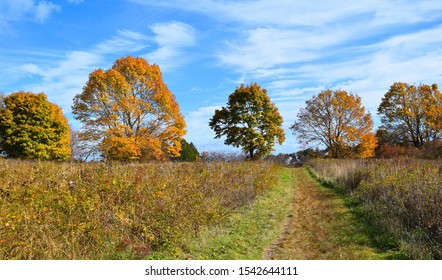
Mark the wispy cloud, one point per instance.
(308, 13)
(44, 9)
(16, 10)
(125, 41)
(65, 78)
(171, 38)
(62, 79)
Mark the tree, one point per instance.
(2, 108)
(249, 121)
(129, 113)
(79, 152)
(411, 114)
(31, 127)
(188, 152)
(337, 120)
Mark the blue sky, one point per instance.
(205, 48)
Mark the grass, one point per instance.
(54, 210)
(402, 197)
(249, 231)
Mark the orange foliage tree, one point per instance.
(33, 128)
(130, 113)
(411, 114)
(337, 120)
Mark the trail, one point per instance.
(319, 227)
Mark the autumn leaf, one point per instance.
(129, 113)
(32, 127)
(411, 114)
(337, 120)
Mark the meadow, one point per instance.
(402, 196)
(51, 210)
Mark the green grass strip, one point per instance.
(248, 232)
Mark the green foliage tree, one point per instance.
(249, 121)
(337, 120)
(129, 113)
(411, 115)
(31, 127)
(309, 153)
(188, 152)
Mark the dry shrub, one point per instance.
(388, 150)
(107, 211)
(403, 195)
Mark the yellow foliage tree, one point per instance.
(130, 113)
(337, 120)
(33, 128)
(412, 114)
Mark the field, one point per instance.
(334, 209)
(118, 211)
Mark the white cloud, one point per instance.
(16, 10)
(171, 38)
(125, 41)
(32, 69)
(174, 34)
(44, 9)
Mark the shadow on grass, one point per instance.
(364, 227)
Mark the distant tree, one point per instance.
(2, 108)
(411, 114)
(337, 120)
(129, 113)
(249, 121)
(31, 127)
(188, 152)
(80, 152)
(222, 157)
(2, 103)
(288, 160)
(309, 153)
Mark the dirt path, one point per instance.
(320, 227)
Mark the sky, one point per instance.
(206, 48)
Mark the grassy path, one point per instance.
(249, 231)
(323, 227)
(297, 219)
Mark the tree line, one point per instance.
(128, 113)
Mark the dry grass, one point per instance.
(403, 196)
(100, 211)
